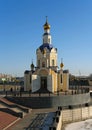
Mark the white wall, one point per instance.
(35, 83)
(49, 83)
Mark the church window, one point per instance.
(61, 78)
(49, 40)
(43, 64)
(53, 62)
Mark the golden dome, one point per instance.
(61, 65)
(46, 25)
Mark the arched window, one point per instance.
(53, 62)
(49, 40)
(61, 78)
(43, 64)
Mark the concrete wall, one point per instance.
(76, 114)
(57, 121)
(27, 85)
(66, 100)
(52, 100)
(71, 115)
(59, 125)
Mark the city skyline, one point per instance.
(21, 30)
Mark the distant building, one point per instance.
(5, 77)
(45, 76)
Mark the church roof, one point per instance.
(46, 45)
(26, 71)
(46, 34)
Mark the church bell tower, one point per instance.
(46, 53)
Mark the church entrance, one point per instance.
(44, 83)
(43, 74)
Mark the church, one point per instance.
(46, 75)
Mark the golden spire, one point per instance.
(46, 25)
(61, 65)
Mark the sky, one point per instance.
(21, 30)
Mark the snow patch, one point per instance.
(83, 125)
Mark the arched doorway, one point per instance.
(44, 82)
(43, 73)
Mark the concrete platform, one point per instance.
(31, 120)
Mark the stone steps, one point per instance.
(12, 108)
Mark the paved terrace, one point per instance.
(6, 119)
(37, 119)
(9, 113)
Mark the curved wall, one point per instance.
(66, 100)
(52, 101)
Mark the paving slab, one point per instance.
(24, 124)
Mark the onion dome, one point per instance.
(46, 45)
(66, 71)
(46, 25)
(26, 72)
(61, 65)
(32, 66)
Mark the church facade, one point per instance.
(45, 76)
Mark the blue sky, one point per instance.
(21, 30)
